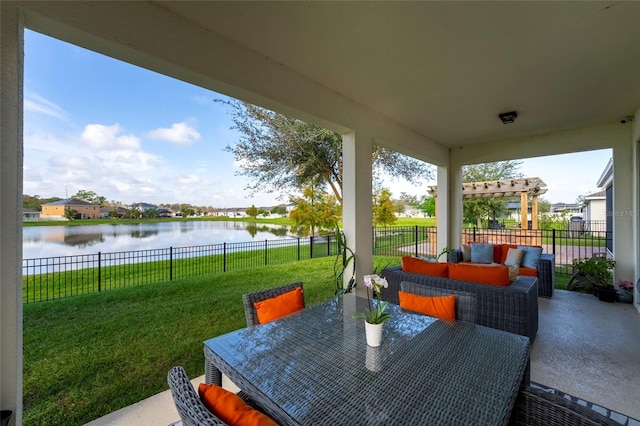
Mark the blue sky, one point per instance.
(129, 134)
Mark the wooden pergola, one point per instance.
(522, 187)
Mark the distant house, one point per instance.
(141, 207)
(56, 209)
(107, 212)
(28, 215)
(162, 212)
(571, 208)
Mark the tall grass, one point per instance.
(87, 356)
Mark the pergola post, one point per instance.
(524, 210)
(534, 212)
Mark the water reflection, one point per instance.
(50, 241)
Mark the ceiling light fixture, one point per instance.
(508, 117)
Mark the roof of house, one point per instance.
(599, 194)
(69, 202)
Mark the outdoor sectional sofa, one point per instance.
(544, 271)
(512, 308)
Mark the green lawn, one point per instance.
(87, 356)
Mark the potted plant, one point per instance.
(593, 274)
(625, 292)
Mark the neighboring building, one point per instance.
(606, 182)
(28, 215)
(595, 207)
(56, 209)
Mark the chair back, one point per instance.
(190, 408)
(465, 301)
(258, 296)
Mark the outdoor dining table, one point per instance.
(315, 368)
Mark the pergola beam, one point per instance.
(523, 188)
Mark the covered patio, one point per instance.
(602, 371)
(428, 80)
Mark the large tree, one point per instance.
(383, 208)
(477, 209)
(280, 154)
(89, 197)
(315, 210)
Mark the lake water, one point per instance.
(53, 241)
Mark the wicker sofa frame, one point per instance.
(513, 308)
(534, 407)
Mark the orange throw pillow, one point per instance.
(419, 266)
(279, 306)
(230, 408)
(439, 306)
(485, 274)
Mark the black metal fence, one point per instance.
(57, 277)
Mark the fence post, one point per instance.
(224, 257)
(553, 241)
(311, 247)
(415, 238)
(298, 248)
(266, 249)
(328, 238)
(99, 272)
(474, 233)
(171, 263)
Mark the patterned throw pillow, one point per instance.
(514, 257)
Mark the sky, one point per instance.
(131, 135)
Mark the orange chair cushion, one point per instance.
(279, 306)
(419, 266)
(230, 408)
(438, 306)
(485, 274)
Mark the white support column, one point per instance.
(623, 212)
(452, 178)
(442, 209)
(357, 216)
(635, 137)
(11, 95)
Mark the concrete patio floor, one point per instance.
(584, 347)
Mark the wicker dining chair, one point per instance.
(258, 296)
(535, 407)
(465, 301)
(190, 408)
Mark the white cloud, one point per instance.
(188, 179)
(178, 133)
(70, 162)
(101, 137)
(36, 103)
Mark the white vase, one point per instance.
(373, 333)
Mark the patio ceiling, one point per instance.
(445, 70)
